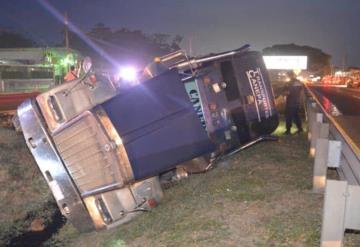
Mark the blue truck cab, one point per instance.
(101, 148)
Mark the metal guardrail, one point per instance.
(348, 167)
(333, 147)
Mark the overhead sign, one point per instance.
(286, 62)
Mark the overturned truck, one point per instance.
(101, 145)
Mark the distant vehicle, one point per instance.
(102, 144)
(350, 80)
(353, 83)
(333, 80)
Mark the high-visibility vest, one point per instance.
(70, 76)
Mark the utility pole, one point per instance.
(190, 46)
(66, 31)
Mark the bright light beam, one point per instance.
(128, 74)
(46, 5)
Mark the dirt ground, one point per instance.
(24, 195)
(260, 197)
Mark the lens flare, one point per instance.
(128, 74)
(54, 12)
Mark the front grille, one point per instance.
(88, 154)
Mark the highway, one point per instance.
(346, 100)
(344, 105)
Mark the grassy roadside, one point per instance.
(23, 192)
(260, 197)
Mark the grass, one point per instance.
(259, 197)
(23, 191)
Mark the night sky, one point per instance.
(212, 25)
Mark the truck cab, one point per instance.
(101, 147)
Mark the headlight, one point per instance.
(128, 74)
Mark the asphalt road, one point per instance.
(344, 105)
(346, 100)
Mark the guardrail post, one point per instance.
(310, 105)
(320, 165)
(316, 118)
(327, 154)
(333, 222)
(311, 115)
(334, 154)
(318, 130)
(341, 205)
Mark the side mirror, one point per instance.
(86, 64)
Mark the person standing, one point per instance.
(71, 75)
(292, 107)
(58, 73)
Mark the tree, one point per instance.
(175, 44)
(318, 61)
(124, 45)
(14, 40)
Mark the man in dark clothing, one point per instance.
(292, 108)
